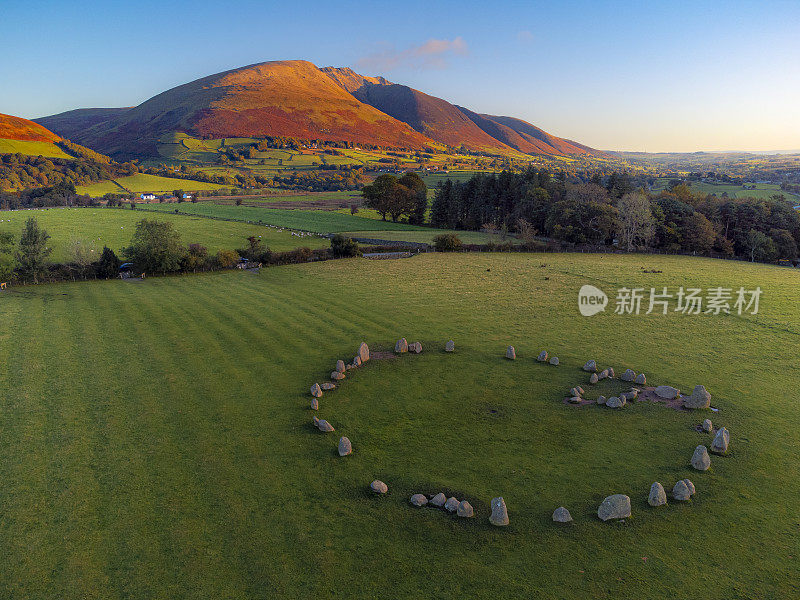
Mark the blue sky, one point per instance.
(654, 76)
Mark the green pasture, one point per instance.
(46, 149)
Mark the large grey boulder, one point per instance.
(601, 400)
(451, 505)
(593, 379)
(324, 426)
(708, 427)
(615, 402)
(721, 441)
(511, 354)
(328, 385)
(316, 391)
(617, 506)
(465, 509)
(401, 346)
(657, 497)
(667, 392)
(419, 500)
(314, 404)
(340, 366)
(450, 346)
(315, 420)
(575, 399)
(357, 362)
(628, 375)
(561, 515)
(681, 491)
(439, 500)
(689, 486)
(416, 347)
(602, 375)
(363, 352)
(378, 487)
(542, 356)
(590, 366)
(337, 375)
(554, 361)
(700, 398)
(499, 516)
(345, 447)
(700, 459)
(640, 379)
(611, 372)
(576, 391)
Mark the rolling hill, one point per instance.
(296, 99)
(21, 136)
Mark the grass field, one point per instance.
(46, 149)
(763, 190)
(156, 440)
(142, 182)
(114, 228)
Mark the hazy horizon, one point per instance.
(615, 76)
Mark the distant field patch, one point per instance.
(29, 148)
(142, 182)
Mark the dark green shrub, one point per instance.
(447, 242)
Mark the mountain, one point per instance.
(17, 128)
(296, 99)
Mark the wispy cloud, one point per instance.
(524, 37)
(433, 54)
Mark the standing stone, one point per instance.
(345, 447)
(708, 427)
(617, 506)
(689, 486)
(450, 346)
(314, 404)
(419, 500)
(576, 391)
(700, 459)
(511, 353)
(451, 505)
(465, 509)
(324, 426)
(357, 362)
(340, 366)
(681, 491)
(439, 499)
(379, 487)
(561, 515)
(590, 366)
(721, 441)
(499, 516)
(575, 399)
(316, 391)
(603, 374)
(601, 399)
(554, 361)
(641, 379)
(593, 379)
(700, 398)
(542, 356)
(337, 375)
(315, 420)
(657, 497)
(629, 375)
(667, 392)
(363, 353)
(401, 346)
(615, 402)
(611, 372)
(416, 347)
(328, 385)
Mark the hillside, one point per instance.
(431, 116)
(280, 98)
(17, 128)
(73, 123)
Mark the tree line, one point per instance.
(611, 211)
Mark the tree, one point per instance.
(759, 246)
(226, 259)
(635, 221)
(33, 251)
(108, 265)
(6, 256)
(375, 194)
(196, 258)
(155, 247)
(698, 234)
(344, 247)
(785, 245)
(420, 191)
(177, 193)
(81, 255)
(447, 242)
